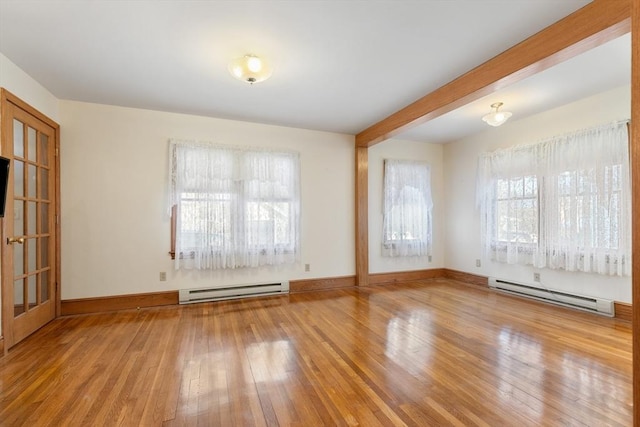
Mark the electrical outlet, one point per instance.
(478, 263)
(307, 267)
(536, 277)
(163, 276)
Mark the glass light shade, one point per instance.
(496, 118)
(250, 69)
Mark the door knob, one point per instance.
(12, 240)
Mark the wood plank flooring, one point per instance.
(430, 353)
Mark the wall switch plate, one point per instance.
(307, 267)
(429, 258)
(536, 277)
(163, 276)
(478, 263)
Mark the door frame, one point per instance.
(7, 98)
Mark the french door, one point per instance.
(29, 234)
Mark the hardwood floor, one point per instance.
(430, 353)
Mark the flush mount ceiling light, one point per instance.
(496, 118)
(250, 69)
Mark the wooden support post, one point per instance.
(362, 216)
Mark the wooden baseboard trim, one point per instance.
(461, 276)
(624, 311)
(404, 276)
(154, 299)
(307, 285)
(118, 302)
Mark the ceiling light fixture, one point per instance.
(250, 69)
(496, 118)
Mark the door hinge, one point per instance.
(57, 219)
(57, 151)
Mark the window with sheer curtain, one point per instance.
(233, 207)
(407, 209)
(563, 203)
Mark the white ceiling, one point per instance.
(600, 69)
(340, 66)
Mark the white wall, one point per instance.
(30, 91)
(462, 227)
(115, 223)
(115, 232)
(404, 150)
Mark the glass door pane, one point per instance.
(44, 280)
(18, 297)
(31, 217)
(33, 291)
(18, 178)
(18, 138)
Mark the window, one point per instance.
(233, 207)
(407, 209)
(562, 203)
(517, 211)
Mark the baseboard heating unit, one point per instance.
(594, 305)
(188, 296)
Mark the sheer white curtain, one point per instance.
(407, 209)
(236, 207)
(562, 203)
(508, 197)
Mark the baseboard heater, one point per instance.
(594, 305)
(189, 296)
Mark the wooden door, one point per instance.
(29, 256)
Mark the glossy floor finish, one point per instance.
(430, 353)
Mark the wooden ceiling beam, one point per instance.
(596, 23)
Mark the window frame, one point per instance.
(522, 247)
(422, 244)
(245, 191)
(541, 183)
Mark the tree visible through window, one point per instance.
(563, 203)
(233, 207)
(517, 210)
